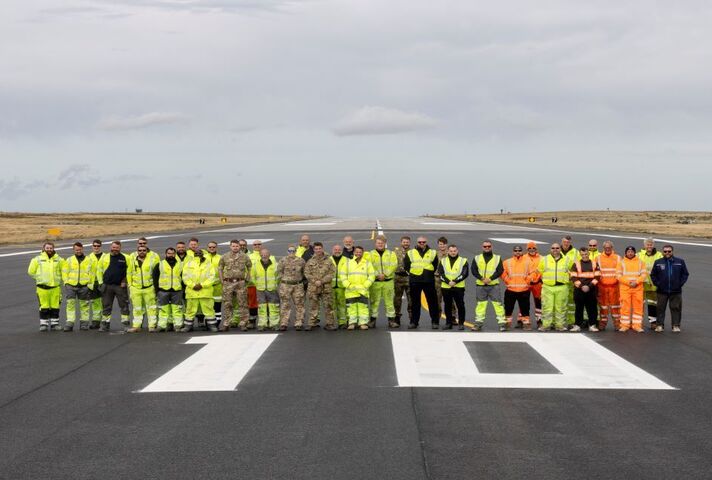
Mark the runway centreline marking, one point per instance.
(202, 373)
(250, 240)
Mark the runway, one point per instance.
(361, 405)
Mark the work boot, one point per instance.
(476, 327)
(638, 330)
(224, 328)
(562, 329)
(44, 328)
(330, 328)
(393, 324)
(372, 322)
(105, 327)
(94, 325)
(282, 328)
(133, 330)
(447, 326)
(527, 326)
(659, 329)
(83, 325)
(186, 328)
(460, 326)
(593, 328)
(352, 326)
(56, 327)
(170, 328)
(435, 326)
(212, 327)
(503, 327)
(519, 325)
(676, 328)
(298, 327)
(260, 328)
(152, 329)
(412, 326)
(575, 328)
(342, 326)
(69, 327)
(308, 328)
(363, 327)
(243, 328)
(251, 324)
(542, 328)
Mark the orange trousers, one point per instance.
(631, 307)
(609, 302)
(252, 297)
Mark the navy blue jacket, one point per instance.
(669, 275)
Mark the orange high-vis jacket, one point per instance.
(536, 274)
(517, 273)
(631, 269)
(609, 268)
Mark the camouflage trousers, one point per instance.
(289, 293)
(319, 296)
(401, 287)
(234, 293)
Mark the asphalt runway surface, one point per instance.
(328, 404)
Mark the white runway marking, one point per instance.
(379, 227)
(313, 224)
(446, 224)
(250, 240)
(442, 360)
(202, 372)
(515, 240)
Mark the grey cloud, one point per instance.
(209, 5)
(375, 120)
(141, 121)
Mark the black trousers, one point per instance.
(675, 302)
(431, 297)
(586, 301)
(121, 294)
(522, 298)
(457, 296)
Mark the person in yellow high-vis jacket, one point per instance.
(199, 276)
(168, 278)
(339, 259)
(554, 269)
(95, 294)
(78, 273)
(572, 255)
(487, 269)
(264, 274)
(357, 276)
(649, 254)
(214, 257)
(142, 292)
(384, 264)
(46, 270)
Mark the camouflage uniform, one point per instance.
(401, 286)
(234, 269)
(290, 272)
(320, 268)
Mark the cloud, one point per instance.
(375, 120)
(141, 121)
(208, 5)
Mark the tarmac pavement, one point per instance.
(328, 404)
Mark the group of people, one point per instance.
(572, 288)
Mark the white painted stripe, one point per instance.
(379, 227)
(446, 224)
(250, 240)
(442, 360)
(313, 224)
(219, 366)
(515, 240)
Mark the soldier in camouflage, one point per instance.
(319, 272)
(290, 272)
(401, 282)
(234, 271)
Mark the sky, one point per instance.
(355, 108)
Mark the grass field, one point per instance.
(22, 228)
(680, 224)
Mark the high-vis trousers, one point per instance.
(49, 300)
(536, 293)
(95, 303)
(77, 296)
(571, 306)
(382, 290)
(631, 307)
(340, 306)
(170, 308)
(609, 302)
(651, 300)
(358, 310)
(554, 304)
(268, 311)
(488, 294)
(205, 305)
(143, 302)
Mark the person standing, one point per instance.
(401, 284)
(142, 292)
(348, 250)
(593, 252)
(143, 242)
(357, 276)
(572, 254)
(554, 269)
(487, 268)
(252, 303)
(46, 270)
(516, 275)
(384, 264)
(266, 280)
(199, 276)
(535, 280)
(609, 299)
(420, 263)
(338, 259)
(168, 279)
(234, 270)
(442, 253)
(453, 270)
(213, 257)
(669, 276)
(631, 276)
(649, 255)
(78, 273)
(585, 275)
(94, 293)
(291, 290)
(111, 273)
(305, 250)
(319, 272)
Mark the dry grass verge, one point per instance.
(679, 224)
(22, 228)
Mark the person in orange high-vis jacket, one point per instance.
(609, 300)
(631, 280)
(535, 279)
(516, 276)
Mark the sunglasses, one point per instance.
(667, 251)
(422, 242)
(486, 246)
